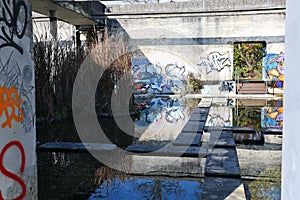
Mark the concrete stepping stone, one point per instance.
(75, 147)
(198, 117)
(186, 139)
(169, 150)
(167, 166)
(235, 129)
(201, 110)
(223, 188)
(225, 139)
(193, 127)
(222, 162)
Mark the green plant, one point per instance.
(248, 60)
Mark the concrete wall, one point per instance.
(17, 102)
(200, 35)
(291, 147)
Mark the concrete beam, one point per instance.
(75, 13)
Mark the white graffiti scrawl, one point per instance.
(216, 61)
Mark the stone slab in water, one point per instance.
(235, 129)
(168, 150)
(198, 117)
(223, 188)
(167, 166)
(225, 139)
(192, 139)
(222, 162)
(201, 110)
(75, 147)
(193, 127)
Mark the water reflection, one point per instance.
(146, 188)
(162, 118)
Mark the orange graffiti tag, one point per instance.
(10, 106)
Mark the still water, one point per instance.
(160, 120)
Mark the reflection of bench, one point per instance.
(272, 131)
(257, 87)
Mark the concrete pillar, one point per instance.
(53, 24)
(291, 136)
(18, 175)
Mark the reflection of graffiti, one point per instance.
(274, 66)
(217, 120)
(227, 86)
(14, 16)
(272, 117)
(8, 173)
(152, 110)
(216, 61)
(10, 106)
(19, 81)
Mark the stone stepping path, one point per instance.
(75, 147)
(193, 127)
(198, 117)
(234, 129)
(223, 140)
(222, 162)
(215, 188)
(200, 110)
(185, 139)
(164, 165)
(168, 150)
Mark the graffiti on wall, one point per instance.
(227, 86)
(274, 69)
(272, 116)
(157, 78)
(17, 101)
(216, 61)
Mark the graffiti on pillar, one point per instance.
(157, 78)
(13, 23)
(274, 69)
(9, 174)
(10, 106)
(17, 102)
(216, 61)
(17, 89)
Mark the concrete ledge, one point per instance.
(75, 147)
(193, 127)
(170, 150)
(198, 6)
(167, 166)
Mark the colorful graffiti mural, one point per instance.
(272, 116)
(274, 69)
(216, 61)
(158, 79)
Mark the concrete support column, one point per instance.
(291, 136)
(18, 171)
(53, 24)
